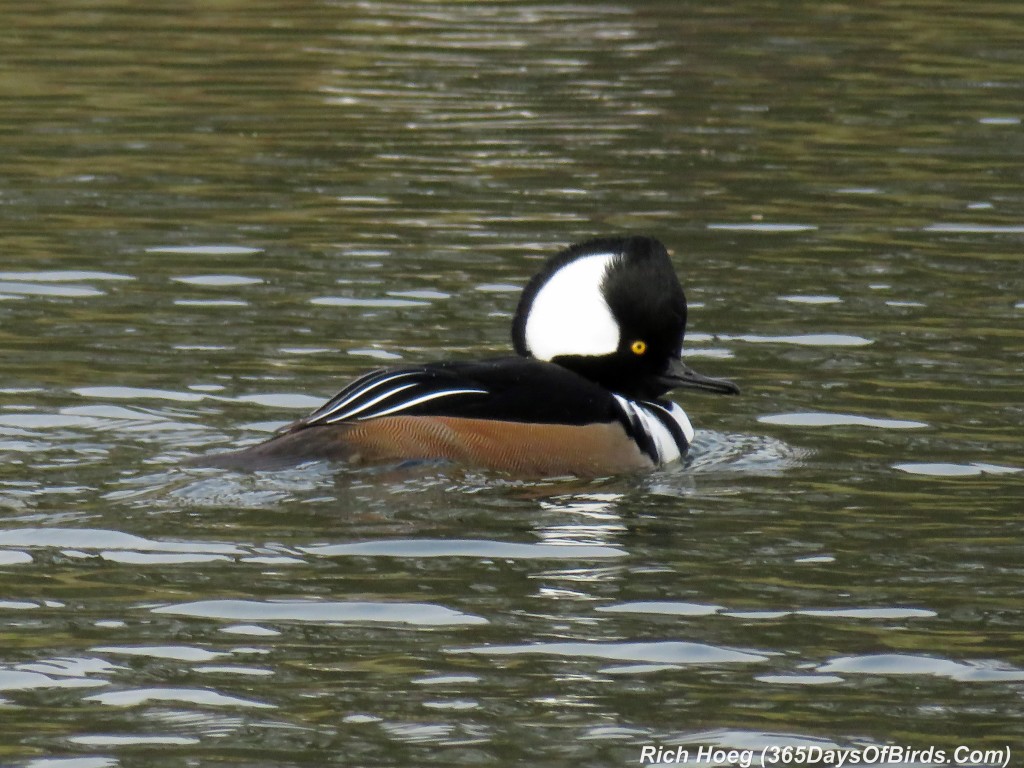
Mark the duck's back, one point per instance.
(514, 414)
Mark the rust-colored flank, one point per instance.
(523, 449)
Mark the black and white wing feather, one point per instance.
(504, 389)
(391, 392)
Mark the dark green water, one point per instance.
(213, 215)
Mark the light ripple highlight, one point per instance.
(822, 419)
(199, 696)
(326, 612)
(885, 664)
(657, 652)
(103, 539)
(476, 548)
(943, 469)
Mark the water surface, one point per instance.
(214, 216)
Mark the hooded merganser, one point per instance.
(599, 335)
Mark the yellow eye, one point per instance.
(638, 347)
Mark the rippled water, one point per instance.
(214, 216)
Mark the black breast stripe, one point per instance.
(633, 423)
(654, 428)
(665, 417)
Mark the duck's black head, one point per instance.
(612, 310)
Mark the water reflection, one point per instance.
(908, 664)
(838, 420)
(466, 548)
(21, 680)
(199, 697)
(213, 218)
(956, 470)
(673, 653)
(421, 614)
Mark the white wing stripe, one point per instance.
(345, 415)
(362, 391)
(424, 399)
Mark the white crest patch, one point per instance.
(569, 314)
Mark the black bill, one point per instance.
(679, 375)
